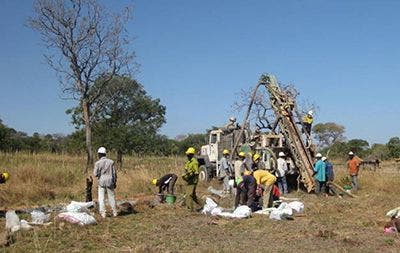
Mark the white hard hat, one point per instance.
(351, 153)
(281, 154)
(101, 150)
(318, 155)
(311, 113)
(323, 158)
(233, 119)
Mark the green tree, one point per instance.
(394, 147)
(85, 43)
(129, 118)
(193, 140)
(358, 146)
(380, 151)
(328, 133)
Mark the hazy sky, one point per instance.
(197, 55)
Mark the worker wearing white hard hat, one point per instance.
(353, 165)
(308, 120)
(280, 173)
(106, 174)
(320, 175)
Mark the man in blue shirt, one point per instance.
(320, 175)
(330, 176)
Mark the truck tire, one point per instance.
(203, 173)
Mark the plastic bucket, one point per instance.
(170, 199)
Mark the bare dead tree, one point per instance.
(85, 44)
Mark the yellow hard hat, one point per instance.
(190, 151)
(242, 154)
(256, 156)
(154, 181)
(6, 176)
(225, 152)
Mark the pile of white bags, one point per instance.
(211, 208)
(78, 213)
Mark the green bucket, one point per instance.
(347, 187)
(170, 199)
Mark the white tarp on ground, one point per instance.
(394, 213)
(284, 211)
(211, 208)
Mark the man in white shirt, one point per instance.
(281, 173)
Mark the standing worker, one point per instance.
(166, 182)
(330, 175)
(320, 177)
(106, 175)
(240, 167)
(280, 173)
(191, 177)
(4, 177)
(353, 164)
(225, 170)
(265, 180)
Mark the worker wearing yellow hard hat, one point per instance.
(191, 176)
(225, 171)
(165, 183)
(4, 177)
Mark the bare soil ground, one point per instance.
(329, 224)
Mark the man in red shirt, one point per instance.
(353, 164)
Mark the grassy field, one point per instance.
(329, 224)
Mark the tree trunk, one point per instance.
(119, 158)
(88, 131)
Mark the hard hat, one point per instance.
(323, 158)
(101, 150)
(311, 113)
(351, 153)
(6, 176)
(281, 154)
(190, 151)
(242, 154)
(233, 119)
(256, 156)
(225, 152)
(318, 155)
(154, 181)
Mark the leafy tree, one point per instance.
(85, 42)
(394, 147)
(358, 146)
(129, 118)
(193, 140)
(379, 151)
(328, 133)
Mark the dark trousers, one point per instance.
(171, 184)
(244, 196)
(320, 187)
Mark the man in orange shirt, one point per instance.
(353, 164)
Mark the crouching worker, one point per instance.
(106, 175)
(246, 192)
(265, 181)
(191, 176)
(4, 177)
(166, 182)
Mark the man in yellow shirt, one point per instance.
(191, 176)
(266, 181)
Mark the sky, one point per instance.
(196, 56)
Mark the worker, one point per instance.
(307, 122)
(238, 167)
(225, 171)
(191, 176)
(265, 181)
(280, 173)
(4, 177)
(166, 182)
(353, 165)
(231, 125)
(330, 175)
(106, 174)
(320, 177)
(246, 191)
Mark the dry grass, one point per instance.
(329, 224)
